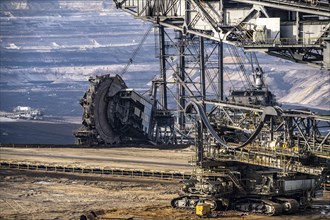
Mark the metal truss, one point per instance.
(301, 35)
(190, 86)
(190, 69)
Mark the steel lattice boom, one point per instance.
(295, 30)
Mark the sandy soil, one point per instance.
(37, 195)
(137, 158)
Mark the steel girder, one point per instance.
(287, 29)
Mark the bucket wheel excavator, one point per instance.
(253, 158)
(252, 155)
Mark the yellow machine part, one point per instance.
(203, 209)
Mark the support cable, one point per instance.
(135, 52)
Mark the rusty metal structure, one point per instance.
(251, 154)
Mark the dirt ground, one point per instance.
(38, 195)
(135, 158)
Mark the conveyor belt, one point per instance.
(267, 112)
(62, 168)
